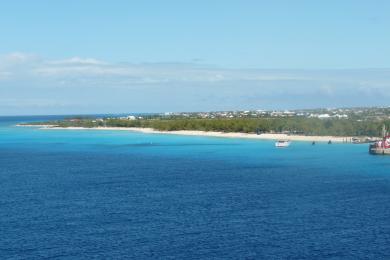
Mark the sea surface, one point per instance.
(85, 194)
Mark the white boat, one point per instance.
(282, 143)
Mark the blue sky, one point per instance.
(152, 56)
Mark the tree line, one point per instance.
(293, 125)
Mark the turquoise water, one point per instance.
(116, 194)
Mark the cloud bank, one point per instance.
(30, 84)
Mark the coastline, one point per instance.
(336, 139)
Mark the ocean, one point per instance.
(82, 194)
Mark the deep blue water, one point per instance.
(105, 194)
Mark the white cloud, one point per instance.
(4, 75)
(180, 86)
(32, 103)
(17, 58)
(327, 89)
(26, 65)
(77, 61)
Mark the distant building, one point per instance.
(341, 116)
(323, 116)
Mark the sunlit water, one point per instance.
(115, 194)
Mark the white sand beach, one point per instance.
(267, 136)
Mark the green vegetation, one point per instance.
(293, 125)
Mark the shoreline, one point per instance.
(336, 139)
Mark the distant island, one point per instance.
(337, 124)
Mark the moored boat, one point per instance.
(381, 147)
(282, 143)
(377, 150)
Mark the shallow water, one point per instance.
(116, 194)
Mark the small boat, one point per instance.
(330, 142)
(282, 143)
(313, 143)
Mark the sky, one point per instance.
(85, 57)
